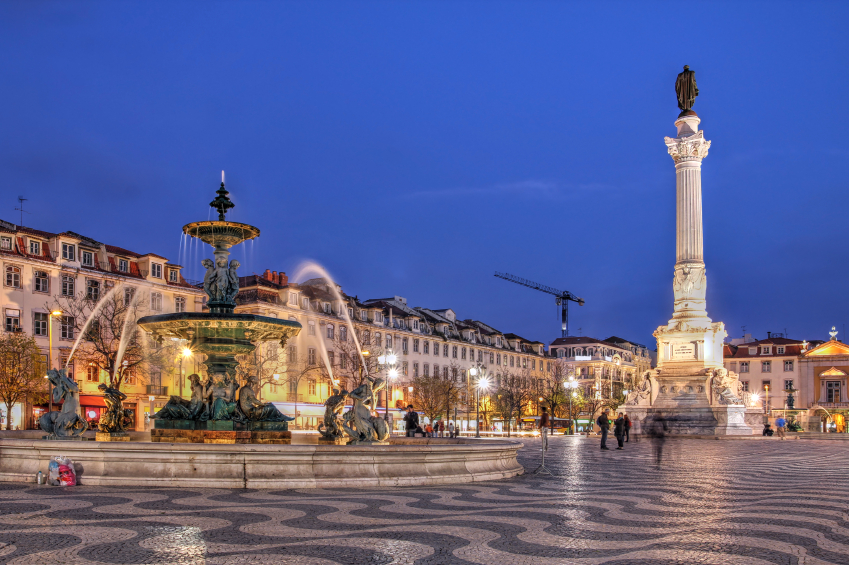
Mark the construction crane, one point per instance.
(562, 297)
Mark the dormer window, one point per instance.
(766, 350)
(68, 252)
(305, 303)
(327, 308)
(780, 350)
(123, 265)
(498, 342)
(173, 275)
(378, 317)
(156, 270)
(753, 351)
(415, 324)
(363, 315)
(87, 259)
(6, 243)
(34, 247)
(293, 298)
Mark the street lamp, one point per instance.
(388, 361)
(50, 316)
(185, 354)
(571, 384)
(482, 384)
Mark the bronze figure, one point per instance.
(686, 90)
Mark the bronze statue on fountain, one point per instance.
(219, 410)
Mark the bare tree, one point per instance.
(428, 396)
(512, 398)
(552, 388)
(349, 362)
(21, 370)
(112, 316)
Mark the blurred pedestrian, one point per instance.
(429, 430)
(780, 427)
(604, 423)
(658, 430)
(411, 420)
(544, 427)
(619, 430)
(627, 428)
(451, 432)
(442, 428)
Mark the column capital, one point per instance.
(693, 147)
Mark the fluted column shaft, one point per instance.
(688, 180)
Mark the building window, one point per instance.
(293, 299)
(92, 290)
(179, 304)
(155, 301)
(416, 348)
(68, 287)
(366, 338)
(311, 327)
(445, 372)
(732, 366)
(39, 326)
(343, 333)
(68, 252)
(780, 350)
(34, 248)
(173, 275)
(766, 350)
(273, 388)
(745, 385)
(377, 318)
(42, 281)
(305, 303)
(832, 391)
(331, 358)
(331, 331)
(498, 342)
(524, 362)
(766, 385)
(405, 345)
(293, 387)
(87, 259)
(415, 370)
(462, 353)
(405, 369)
(363, 315)
(766, 366)
(788, 365)
(454, 351)
(311, 356)
(788, 384)
(67, 327)
(6, 243)
(13, 320)
(426, 348)
(491, 358)
(533, 364)
(388, 341)
(293, 353)
(415, 324)
(753, 351)
(327, 307)
(123, 265)
(498, 359)
(512, 360)
(92, 374)
(744, 366)
(445, 350)
(311, 384)
(436, 370)
(426, 370)
(350, 313)
(156, 270)
(129, 293)
(13, 276)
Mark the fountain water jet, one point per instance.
(95, 311)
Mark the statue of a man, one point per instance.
(686, 89)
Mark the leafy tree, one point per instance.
(21, 370)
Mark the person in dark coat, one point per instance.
(604, 423)
(627, 428)
(411, 419)
(619, 430)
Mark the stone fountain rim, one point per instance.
(211, 316)
(222, 223)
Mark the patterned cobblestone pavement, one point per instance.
(708, 501)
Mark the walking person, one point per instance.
(604, 423)
(781, 427)
(657, 431)
(619, 430)
(411, 421)
(442, 428)
(544, 427)
(429, 430)
(627, 428)
(451, 433)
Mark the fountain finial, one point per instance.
(222, 203)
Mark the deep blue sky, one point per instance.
(416, 147)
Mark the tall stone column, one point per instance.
(689, 283)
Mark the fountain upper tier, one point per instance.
(221, 234)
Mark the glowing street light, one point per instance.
(388, 360)
(482, 384)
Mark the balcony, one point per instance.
(155, 390)
(829, 405)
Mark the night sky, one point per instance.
(414, 148)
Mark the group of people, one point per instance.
(436, 429)
(621, 428)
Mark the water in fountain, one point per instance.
(96, 311)
(127, 331)
(312, 266)
(326, 358)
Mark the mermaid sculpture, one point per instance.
(66, 423)
(180, 409)
(116, 419)
(358, 422)
(333, 407)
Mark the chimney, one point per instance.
(284, 280)
(768, 335)
(274, 277)
(267, 275)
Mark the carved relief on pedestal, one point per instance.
(689, 282)
(724, 388)
(688, 148)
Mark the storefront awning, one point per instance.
(89, 400)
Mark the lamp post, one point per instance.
(570, 387)
(388, 361)
(50, 316)
(482, 384)
(186, 353)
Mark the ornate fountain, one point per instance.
(220, 410)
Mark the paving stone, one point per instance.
(712, 502)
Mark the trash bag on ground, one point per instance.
(61, 473)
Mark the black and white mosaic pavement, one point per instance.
(755, 502)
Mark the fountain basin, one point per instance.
(221, 234)
(404, 462)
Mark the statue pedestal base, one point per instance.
(111, 436)
(327, 441)
(211, 436)
(159, 424)
(369, 443)
(64, 438)
(278, 437)
(176, 436)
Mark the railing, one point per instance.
(157, 390)
(829, 405)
